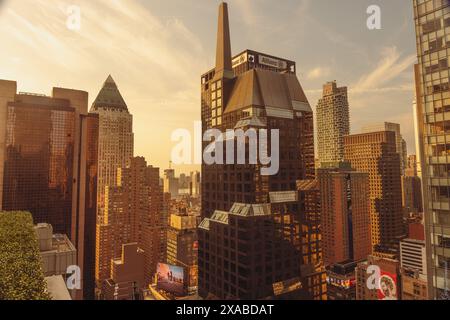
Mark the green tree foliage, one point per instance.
(21, 275)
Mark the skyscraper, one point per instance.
(116, 137)
(194, 187)
(376, 154)
(258, 92)
(171, 183)
(263, 93)
(48, 165)
(252, 255)
(432, 19)
(345, 214)
(333, 122)
(400, 143)
(133, 214)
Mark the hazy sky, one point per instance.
(156, 51)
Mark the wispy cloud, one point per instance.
(156, 61)
(127, 35)
(318, 73)
(390, 67)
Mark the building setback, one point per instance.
(256, 91)
(375, 153)
(333, 122)
(133, 214)
(127, 275)
(48, 165)
(432, 21)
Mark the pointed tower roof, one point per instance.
(224, 67)
(109, 97)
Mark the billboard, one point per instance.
(272, 62)
(341, 283)
(239, 60)
(387, 287)
(171, 279)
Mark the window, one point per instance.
(444, 262)
(444, 241)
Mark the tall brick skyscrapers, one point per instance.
(48, 165)
(133, 214)
(376, 154)
(130, 196)
(345, 214)
(240, 206)
(333, 122)
(401, 144)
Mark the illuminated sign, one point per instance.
(171, 279)
(271, 62)
(341, 283)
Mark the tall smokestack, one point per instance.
(224, 67)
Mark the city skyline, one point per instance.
(174, 46)
(94, 204)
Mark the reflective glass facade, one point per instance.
(432, 19)
(38, 169)
(48, 166)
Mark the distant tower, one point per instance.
(400, 143)
(116, 137)
(171, 183)
(333, 122)
(376, 154)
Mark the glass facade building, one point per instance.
(432, 20)
(48, 166)
(38, 170)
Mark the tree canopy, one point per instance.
(21, 275)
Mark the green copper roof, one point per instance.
(109, 97)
